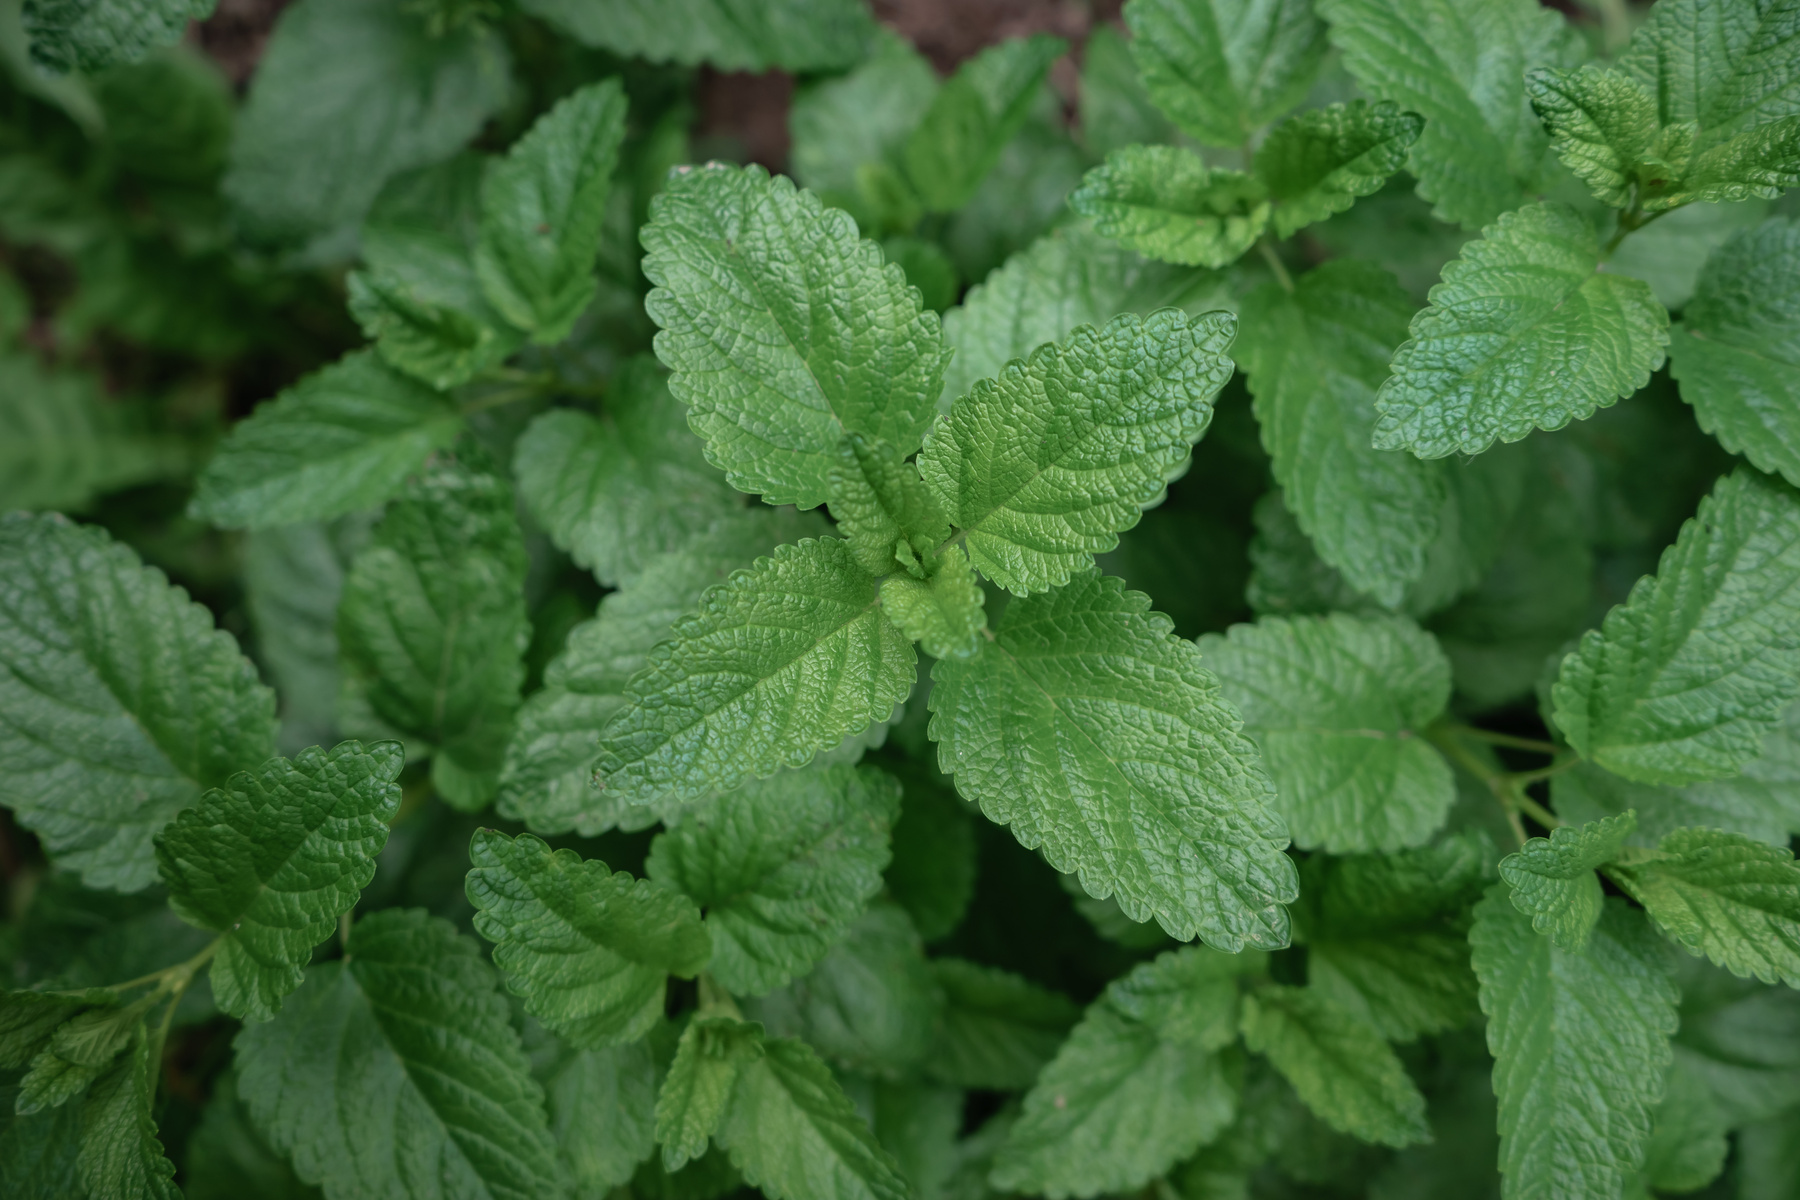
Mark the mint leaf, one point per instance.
(341, 440)
(1735, 352)
(1045, 466)
(1524, 332)
(841, 125)
(397, 1072)
(1321, 161)
(784, 329)
(1682, 680)
(88, 35)
(1338, 706)
(1115, 106)
(62, 443)
(972, 117)
(1688, 1145)
(432, 625)
(270, 862)
(1580, 1040)
(29, 1020)
(998, 1029)
(782, 867)
(1727, 68)
(944, 613)
(602, 1110)
(1553, 881)
(589, 950)
(1760, 163)
(796, 655)
(1222, 68)
(733, 35)
(119, 701)
(878, 499)
(1602, 124)
(120, 1156)
(1166, 203)
(712, 1054)
(78, 1052)
(1052, 733)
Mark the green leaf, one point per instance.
(998, 1029)
(62, 443)
(841, 124)
(1725, 67)
(1097, 735)
(1223, 68)
(78, 1052)
(1580, 1040)
(972, 117)
(120, 1156)
(1138, 1086)
(1553, 881)
(590, 951)
(227, 1159)
(541, 210)
(1046, 466)
(1342, 1069)
(88, 35)
(944, 613)
(1759, 164)
(732, 35)
(270, 862)
(1315, 357)
(784, 329)
(1461, 65)
(1338, 706)
(1736, 352)
(1681, 682)
(397, 1072)
(341, 440)
(1524, 332)
(783, 661)
(602, 1112)
(617, 490)
(1687, 1146)
(712, 1054)
(1115, 107)
(1166, 203)
(1732, 898)
(119, 701)
(878, 499)
(782, 867)
(1601, 123)
(29, 1020)
(1321, 161)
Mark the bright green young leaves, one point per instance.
(88, 35)
(1133, 776)
(1553, 881)
(878, 501)
(712, 1053)
(943, 613)
(1525, 332)
(972, 117)
(271, 860)
(1681, 682)
(1319, 162)
(733, 35)
(1166, 203)
(1221, 69)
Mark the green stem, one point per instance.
(1527, 778)
(1444, 738)
(1276, 265)
(176, 984)
(1494, 738)
(1533, 809)
(497, 399)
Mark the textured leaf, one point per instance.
(78, 1052)
(1759, 164)
(602, 1113)
(1682, 681)
(119, 701)
(878, 499)
(270, 862)
(1098, 736)
(998, 1029)
(1043, 468)
(1524, 332)
(783, 661)
(1580, 1040)
(1321, 161)
(1461, 65)
(29, 1020)
(1725, 67)
(432, 626)
(1138, 1086)
(341, 440)
(1601, 123)
(782, 867)
(1761, 803)
(1166, 203)
(972, 117)
(88, 35)
(733, 35)
(589, 950)
(1553, 881)
(712, 1054)
(1729, 897)
(1736, 351)
(784, 329)
(1222, 68)
(120, 1156)
(1315, 357)
(944, 613)
(397, 1072)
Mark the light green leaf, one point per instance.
(1687, 1146)
(1338, 706)
(1729, 897)
(1580, 1040)
(1166, 203)
(711, 1055)
(341, 440)
(1601, 123)
(1138, 1086)
(784, 329)
(1098, 736)
(1115, 107)
(1762, 802)
(1758, 164)
(432, 627)
(120, 1156)
(1553, 881)
(1045, 467)
(62, 443)
(878, 499)
(119, 701)
(1319, 162)
(998, 1029)
(396, 1072)
(88, 35)
(270, 862)
(783, 661)
(1725, 67)
(1222, 68)
(944, 613)
(589, 950)
(782, 867)
(840, 124)
(1461, 65)
(541, 210)
(1736, 351)
(602, 1111)
(1315, 356)
(1682, 681)
(972, 117)
(1524, 332)
(733, 35)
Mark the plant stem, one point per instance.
(1533, 809)
(715, 1001)
(1493, 738)
(1276, 265)
(1443, 736)
(176, 981)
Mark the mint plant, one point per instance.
(1246, 645)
